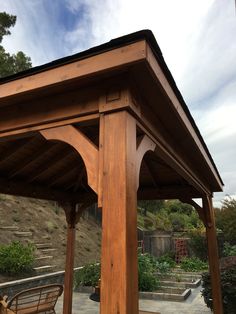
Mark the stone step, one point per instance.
(43, 245)
(9, 228)
(44, 268)
(47, 250)
(22, 234)
(43, 257)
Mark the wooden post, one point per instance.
(213, 256)
(70, 251)
(119, 274)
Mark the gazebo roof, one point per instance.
(70, 90)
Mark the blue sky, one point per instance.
(197, 39)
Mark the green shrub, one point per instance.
(228, 288)
(146, 273)
(229, 250)
(168, 259)
(193, 264)
(16, 258)
(89, 275)
(147, 267)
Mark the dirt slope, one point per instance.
(45, 223)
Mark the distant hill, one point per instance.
(43, 223)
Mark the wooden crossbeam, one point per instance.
(21, 188)
(167, 192)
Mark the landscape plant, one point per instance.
(229, 250)
(147, 273)
(193, 264)
(228, 288)
(89, 275)
(167, 258)
(16, 258)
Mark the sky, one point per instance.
(197, 39)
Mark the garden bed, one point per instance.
(167, 294)
(164, 293)
(182, 284)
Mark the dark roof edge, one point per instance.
(114, 43)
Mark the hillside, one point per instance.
(43, 223)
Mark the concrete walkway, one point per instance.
(193, 305)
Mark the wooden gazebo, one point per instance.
(107, 125)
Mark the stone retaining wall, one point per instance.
(12, 287)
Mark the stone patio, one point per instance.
(193, 305)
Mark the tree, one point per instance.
(175, 206)
(152, 206)
(226, 220)
(6, 21)
(10, 64)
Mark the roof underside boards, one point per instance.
(32, 164)
(75, 83)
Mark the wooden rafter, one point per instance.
(60, 177)
(62, 156)
(31, 159)
(13, 150)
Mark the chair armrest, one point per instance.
(3, 306)
(3, 303)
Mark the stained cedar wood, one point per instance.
(90, 66)
(101, 160)
(149, 122)
(70, 253)
(180, 114)
(169, 155)
(14, 134)
(213, 257)
(119, 275)
(49, 110)
(145, 145)
(154, 97)
(84, 147)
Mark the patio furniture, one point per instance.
(31, 301)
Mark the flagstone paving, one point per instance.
(193, 305)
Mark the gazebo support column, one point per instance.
(70, 252)
(213, 256)
(119, 274)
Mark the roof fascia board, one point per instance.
(180, 113)
(93, 65)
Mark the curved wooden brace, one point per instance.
(144, 146)
(87, 150)
(204, 213)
